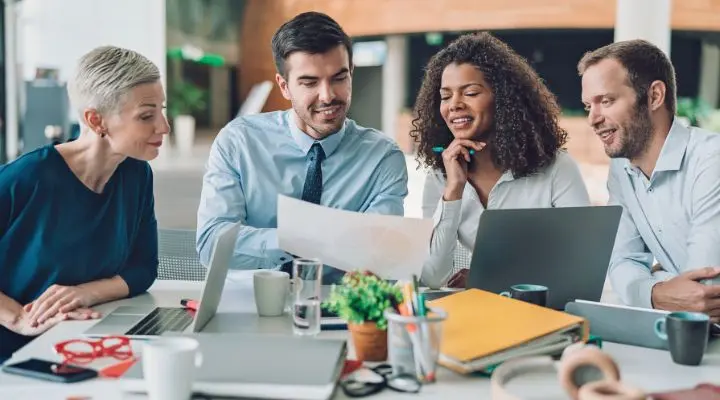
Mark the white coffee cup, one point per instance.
(272, 289)
(169, 366)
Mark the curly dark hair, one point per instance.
(526, 134)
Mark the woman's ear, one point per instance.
(94, 121)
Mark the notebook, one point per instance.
(484, 329)
(260, 366)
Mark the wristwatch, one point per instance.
(287, 266)
(585, 372)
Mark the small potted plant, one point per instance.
(185, 100)
(361, 300)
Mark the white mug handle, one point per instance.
(297, 285)
(198, 359)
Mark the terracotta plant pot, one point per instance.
(370, 342)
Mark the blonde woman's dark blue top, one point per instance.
(55, 230)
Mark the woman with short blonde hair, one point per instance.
(77, 219)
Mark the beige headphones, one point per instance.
(585, 372)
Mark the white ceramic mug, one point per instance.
(272, 289)
(169, 366)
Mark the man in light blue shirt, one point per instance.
(664, 174)
(310, 152)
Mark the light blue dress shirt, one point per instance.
(674, 216)
(255, 158)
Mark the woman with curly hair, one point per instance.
(488, 130)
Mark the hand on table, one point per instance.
(25, 327)
(459, 279)
(58, 299)
(685, 293)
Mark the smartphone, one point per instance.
(50, 371)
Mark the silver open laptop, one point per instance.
(150, 321)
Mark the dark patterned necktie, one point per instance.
(313, 180)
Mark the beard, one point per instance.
(314, 121)
(636, 134)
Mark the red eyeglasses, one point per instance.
(79, 351)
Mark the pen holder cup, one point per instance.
(414, 343)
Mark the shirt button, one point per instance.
(650, 190)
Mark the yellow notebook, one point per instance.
(484, 329)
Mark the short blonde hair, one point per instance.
(105, 75)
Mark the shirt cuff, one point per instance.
(642, 292)
(273, 253)
(663, 275)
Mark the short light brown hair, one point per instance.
(644, 62)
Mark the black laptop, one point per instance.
(567, 249)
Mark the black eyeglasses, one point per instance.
(368, 381)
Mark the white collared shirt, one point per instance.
(560, 184)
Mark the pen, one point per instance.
(406, 309)
(189, 303)
(425, 339)
(421, 364)
(440, 149)
(416, 298)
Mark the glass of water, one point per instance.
(307, 288)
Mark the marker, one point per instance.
(189, 303)
(440, 149)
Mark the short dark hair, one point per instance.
(644, 62)
(311, 32)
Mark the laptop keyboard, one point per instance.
(162, 320)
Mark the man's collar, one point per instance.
(672, 152)
(304, 141)
(674, 148)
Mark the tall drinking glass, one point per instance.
(307, 289)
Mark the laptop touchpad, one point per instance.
(114, 324)
(133, 310)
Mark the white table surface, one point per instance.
(651, 370)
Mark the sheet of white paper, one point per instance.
(392, 247)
